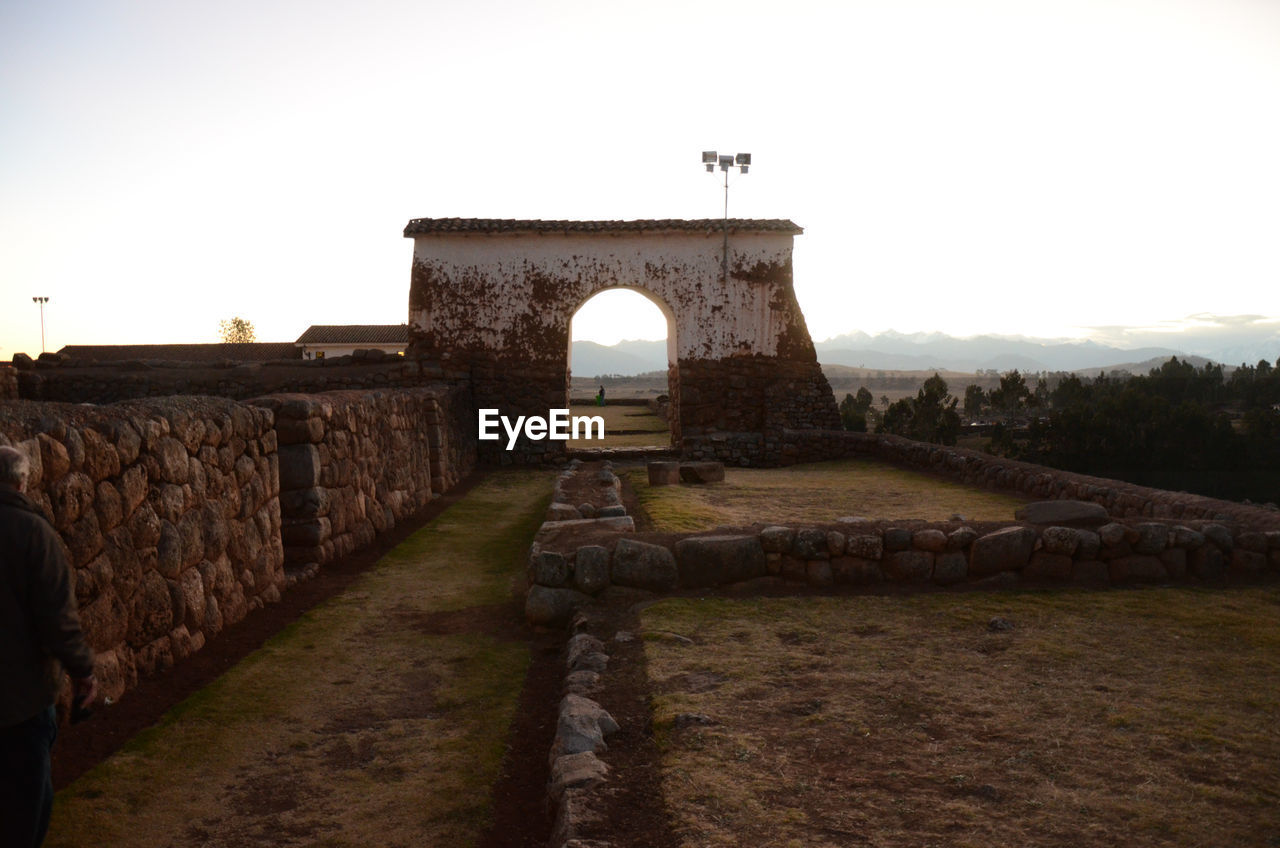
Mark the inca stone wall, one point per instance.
(172, 509)
(354, 464)
(170, 513)
(1055, 541)
(908, 554)
(497, 298)
(8, 382)
(69, 380)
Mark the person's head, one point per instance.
(15, 468)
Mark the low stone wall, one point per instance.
(8, 382)
(72, 381)
(911, 555)
(1120, 499)
(354, 464)
(171, 517)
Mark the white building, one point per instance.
(325, 341)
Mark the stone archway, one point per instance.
(495, 297)
(673, 368)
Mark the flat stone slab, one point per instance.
(551, 533)
(1064, 513)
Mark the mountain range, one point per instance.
(891, 351)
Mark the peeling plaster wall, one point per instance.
(514, 294)
(501, 303)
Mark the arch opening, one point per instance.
(622, 365)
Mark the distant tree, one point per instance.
(852, 418)
(853, 410)
(236, 331)
(1011, 396)
(974, 400)
(928, 417)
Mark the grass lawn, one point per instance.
(373, 720)
(1136, 718)
(815, 493)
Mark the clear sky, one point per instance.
(1038, 167)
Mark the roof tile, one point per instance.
(421, 226)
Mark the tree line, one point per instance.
(1180, 427)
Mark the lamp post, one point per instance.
(42, 301)
(725, 161)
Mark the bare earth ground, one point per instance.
(1136, 718)
(381, 717)
(816, 493)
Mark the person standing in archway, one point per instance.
(39, 636)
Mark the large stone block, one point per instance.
(950, 568)
(152, 614)
(299, 467)
(1048, 566)
(644, 566)
(550, 607)
(1067, 513)
(777, 539)
(663, 473)
(1138, 568)
(909, 566)
(1004, 550)
(717, 560)
(550, 569)
(591, 569)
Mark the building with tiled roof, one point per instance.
(325, 341)
(423, 226)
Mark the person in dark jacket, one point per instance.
(39, 636)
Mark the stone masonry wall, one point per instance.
(90, 382)
(735, 410)
(170, 513)
(8, 382)
(908, 555)
(1120, 499)
(354, 464)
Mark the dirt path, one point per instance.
(380, 717)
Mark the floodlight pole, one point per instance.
(43, 300)
(711, 159)
(725, 260)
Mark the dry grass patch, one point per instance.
(367, 722)
(1137, 718)
(815, 493)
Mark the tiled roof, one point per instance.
(505, 225)
(355, 334)
(243, 352)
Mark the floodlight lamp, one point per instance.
(726, 162)
(708, 157)
(744, 159)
